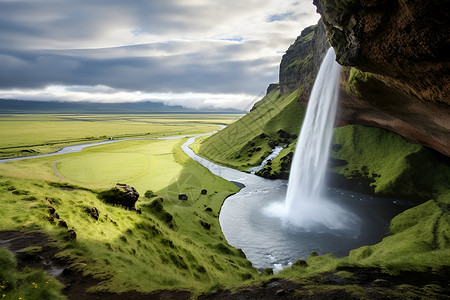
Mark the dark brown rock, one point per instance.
(71, 235)
(93, 212)
(122, 194)
(402, 48)
(62, 223)
(301, 62)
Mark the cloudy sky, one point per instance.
(196, 53)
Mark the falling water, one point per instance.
(306, 205)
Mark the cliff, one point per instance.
(397, 58)
(301, 62)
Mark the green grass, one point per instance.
(245, 143)
(34, 134)
(26, 283)
(127, 250)
(389, 163)
(418, 241)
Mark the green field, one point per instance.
(35, 134)
(172, 244)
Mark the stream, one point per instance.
(269, 242)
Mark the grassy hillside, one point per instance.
(247, 142)
(171, 244)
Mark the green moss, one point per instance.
(355, 80)
(419, 239)
(389, 164)
(31, 250)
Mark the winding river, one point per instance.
(270, 242)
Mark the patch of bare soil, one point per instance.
(360, 283)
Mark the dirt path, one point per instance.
(55, 170)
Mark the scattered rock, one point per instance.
(62, 223)
(71, 235)
(204, 192)
(111, 220)
(273, 144)
(182, 196)
(93, 212)
(52, 214)
(205, 225)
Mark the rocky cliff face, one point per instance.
(301, 62)
(399, 54)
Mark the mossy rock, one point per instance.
(118, 196)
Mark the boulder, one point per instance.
(182, 196)
(122, 194)
(204, 192)
(62, 223)
(93, 212)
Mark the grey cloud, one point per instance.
(41, 44)
(193, 72)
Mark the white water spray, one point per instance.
(305, 205)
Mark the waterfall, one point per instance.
(309, 165)
(306, 205)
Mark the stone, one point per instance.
(71, 235)
(62, 223)
(122, 194)
(204, 192)
(396, 74)
(182, 197)
(93, 212)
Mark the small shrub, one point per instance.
(267, 272)
(300, 264)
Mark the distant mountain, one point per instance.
(8, 106)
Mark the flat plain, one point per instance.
(30, 134)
